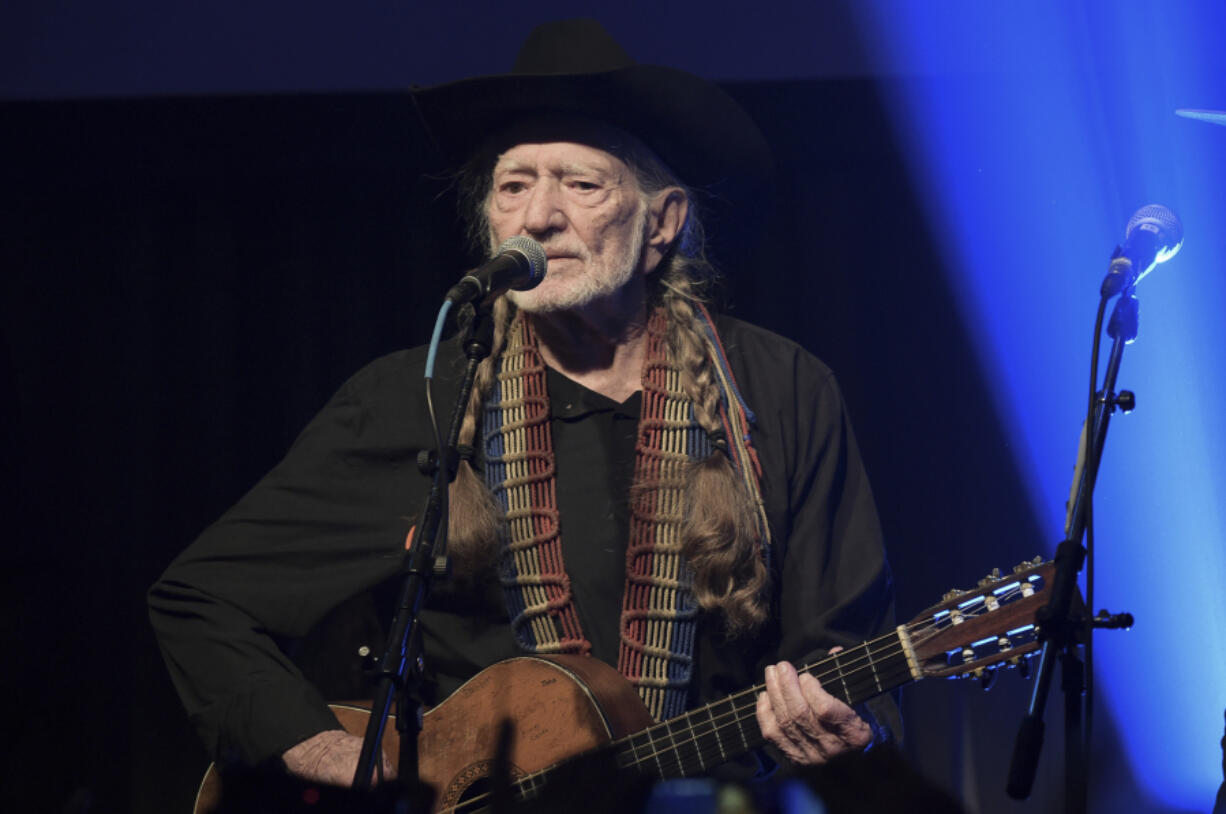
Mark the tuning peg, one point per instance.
(990, 578)
(986, 678)
(1023, 667)
(1025, 565)
(952, 593)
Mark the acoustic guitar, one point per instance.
(548, 712)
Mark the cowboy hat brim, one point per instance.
(694, 126)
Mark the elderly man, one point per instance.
(700, 516)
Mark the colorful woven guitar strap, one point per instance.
(659, 613)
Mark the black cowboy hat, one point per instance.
(574, 67)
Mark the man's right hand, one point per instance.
(331, 758)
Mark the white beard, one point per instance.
(597, 279)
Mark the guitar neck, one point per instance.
(702, 738)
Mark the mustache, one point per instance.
(560, 250)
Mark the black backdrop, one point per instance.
(187, 280)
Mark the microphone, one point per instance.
(1153, 235)
(519, 263)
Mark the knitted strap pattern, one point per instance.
(659, 613)
(520, 470)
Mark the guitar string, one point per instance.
(661, 739)
(734, 714)
(705, 753)
(922, 631)
(919, 630)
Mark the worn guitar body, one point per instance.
(557, 706)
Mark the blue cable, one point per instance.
(434, 339)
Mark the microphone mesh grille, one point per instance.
(533, 251)
(1159, 219)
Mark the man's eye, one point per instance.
(513, 187)
(584, 186)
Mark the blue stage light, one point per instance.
(1036, 130)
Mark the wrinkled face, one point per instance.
(584, 206)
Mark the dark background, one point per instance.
(186, 280)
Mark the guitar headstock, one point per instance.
(971, 631)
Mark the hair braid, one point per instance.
(719, 537)
(475, 517)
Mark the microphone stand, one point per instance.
(400, 671)
(1059, 628)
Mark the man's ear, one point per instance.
(666, 214)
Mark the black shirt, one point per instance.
(330, 521)
(594, 440)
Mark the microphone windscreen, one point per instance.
(1160, 222)
(532, 251)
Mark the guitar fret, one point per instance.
(842, 677)
(700, 740)
(687, 739)
(887, 670)
(719, 742)
(868, 653)
(740, 726)
(701, 736)
(645, 752)
(668, 750)
(655, 753)
(631, 757)
(864, 671)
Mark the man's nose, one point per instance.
(543, 213)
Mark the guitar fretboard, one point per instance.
(703, 738)
(698, 740)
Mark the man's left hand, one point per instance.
(808, 724)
